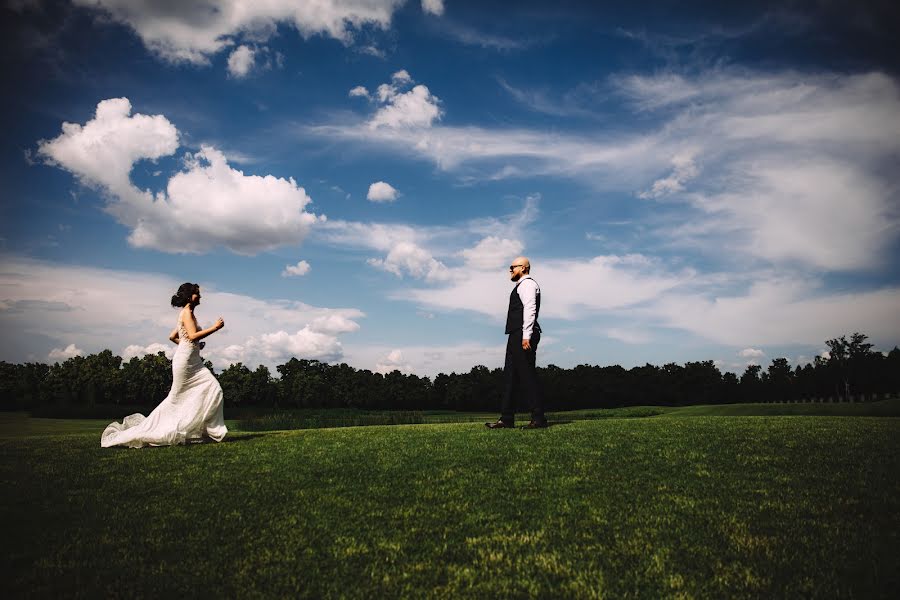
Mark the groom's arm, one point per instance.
(173, 337)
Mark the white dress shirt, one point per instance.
(528, 290)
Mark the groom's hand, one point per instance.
(526, 344)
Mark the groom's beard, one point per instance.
(516, 277)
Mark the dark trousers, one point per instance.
(521, 379)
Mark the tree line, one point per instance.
(851, 371)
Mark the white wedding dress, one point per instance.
(191, 411)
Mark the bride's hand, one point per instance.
(220, 323)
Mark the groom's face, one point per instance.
(516, 270)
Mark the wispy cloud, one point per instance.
(762, 164)
(471, 36)
(583, 101)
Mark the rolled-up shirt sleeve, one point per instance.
(528, 291)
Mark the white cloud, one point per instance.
(777, 311)
(822, 213)
(298, 270)
(137, 350)
(317, 340)
(192, 31)
(473, 37)
(102, 152)
(683, 171)
(372, 50)
(751, 353)
(406, 257)
(401, 77)
(414, 109)
(280, 346)
(434, 7)
(382, 192)
(333, 323)
(359, 92)
(244, 213)
(393, 362)
(241, 61)
(63, 354)
(492, 253)
(621, 159)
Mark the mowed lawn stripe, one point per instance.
(704, 507)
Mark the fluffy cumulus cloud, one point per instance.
(245, 213)
(102, 152)
(280, 346)
(316, 340)
(381, 191)
(63, 354)
(298, 270)
(394, 361)
(207, 204)
(241, 61)
(751, 353)
(86, 310)
(412, 109)
(434, 7)
(359, 92)
(137, 351)
(194, 31)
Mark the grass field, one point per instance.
(703, 507)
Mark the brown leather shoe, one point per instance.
(500, 424)
(536, 425)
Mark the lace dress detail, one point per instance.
(191, 412)
(183, 334)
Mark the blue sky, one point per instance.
(350, 182)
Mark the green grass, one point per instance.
(881, 408)
(705, 507)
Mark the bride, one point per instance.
(193, 409)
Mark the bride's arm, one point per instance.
(187, 317)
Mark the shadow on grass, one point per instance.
(243, 437)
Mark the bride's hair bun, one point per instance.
(183, 296)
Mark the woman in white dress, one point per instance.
(192, 411)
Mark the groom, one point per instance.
(521, 349)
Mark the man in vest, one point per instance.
(521, 349)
